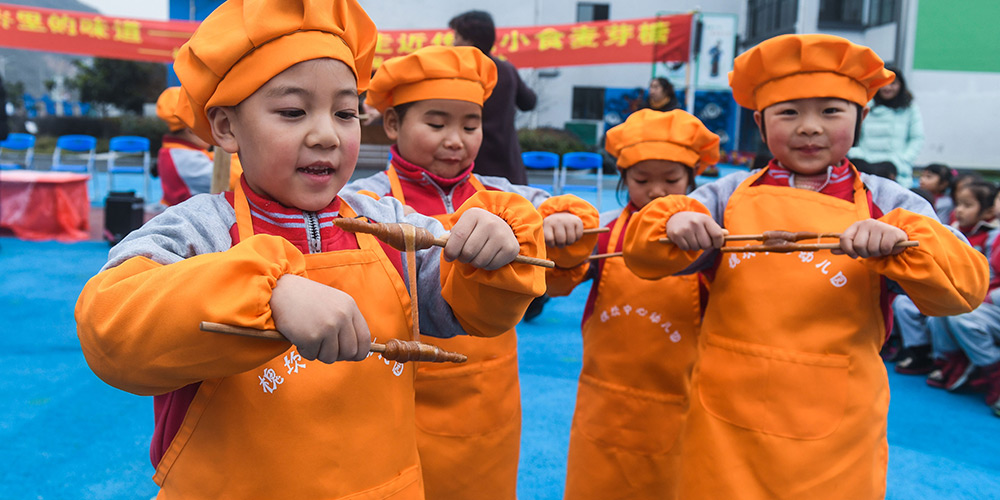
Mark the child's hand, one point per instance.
(324, 323)
(483, 240)
(871, 238)
(562, 229)
(694, 231)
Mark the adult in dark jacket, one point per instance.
(500, 154)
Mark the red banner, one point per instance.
(605, 42)
(89, 34)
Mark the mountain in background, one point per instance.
(33, 68)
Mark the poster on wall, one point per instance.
(714, 59)
(718, 47)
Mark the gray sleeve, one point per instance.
(436, 316)
(534, 195)
(715, 195)
(197, 226)
(378, 184)
(194, 168)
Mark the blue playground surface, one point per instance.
(64, 434)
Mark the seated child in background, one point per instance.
(241, 417)
(467, 415)
(974, 218)
(639, 336)
(184, 162)
(790, 397)
(937, 179)
(965, 342)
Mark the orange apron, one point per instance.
(789, 395)
(468, 415)
(639, 345)
(303, 429)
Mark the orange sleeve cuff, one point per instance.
(644, 254)
(138, 323)
(560, 282)
(489, 303)
(577, 253)
(944, 276)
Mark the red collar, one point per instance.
(417, 173)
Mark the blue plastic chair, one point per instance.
(129, 154)
(581, 161)
(23, 145)
(73, 149)
(30, 105)
(543, 160)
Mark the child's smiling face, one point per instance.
(808, 135)
(298, 135)
(441, 135)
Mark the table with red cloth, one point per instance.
(41, 205)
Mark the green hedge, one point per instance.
(550, 139)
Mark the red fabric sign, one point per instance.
(603, 42)
(83, 33)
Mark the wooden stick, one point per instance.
(393, 350)
(800, 247)
(597, 230)
(392, 234)
(775, 236)
(604, 255)
(221, 162)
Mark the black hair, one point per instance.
(924, 194)
(668, 90)
(761, 159)
(401, 109)
(885, 169)
(477, 27)
(984, 192)
(857, 125)
(903, 97)
(943, 172)
(965, 178)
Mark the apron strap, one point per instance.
(244, 222)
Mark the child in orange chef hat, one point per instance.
(790, 394)
(183, 162)
(639, 336)
(277, 83)
(468, 416)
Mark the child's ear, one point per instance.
(221, 120)
(758, 118)
(391, 123)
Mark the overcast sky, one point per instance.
(138, 9)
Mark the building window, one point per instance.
(841, 13)
(882, 12)
(767, 18)
(587, 12)
(588, 103)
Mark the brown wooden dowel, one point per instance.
(392, 234)
(800, 247)
(604, 255)
(597, 230)
(393, 350)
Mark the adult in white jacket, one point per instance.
(893, 131)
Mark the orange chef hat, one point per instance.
(790, 67)
(244, 43)
(166, 107)
(434, 72)
(674, 135)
